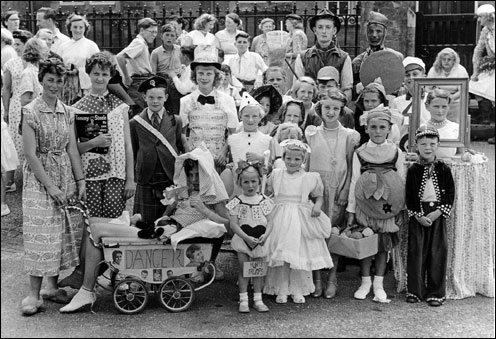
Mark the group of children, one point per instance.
(319, 170)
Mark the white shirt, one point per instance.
(247, 66)
(150, 114)
(356, 173)
(243, 142)
(77, 52)
(184, 85)
(58, 39)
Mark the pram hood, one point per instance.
(211, 186)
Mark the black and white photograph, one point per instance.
(263, 169)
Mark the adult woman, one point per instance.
(482, 81)
(76, 52)
(447, 65)
(227, 36)
(297, 43)
(259, 43)
(180, 24)
(8, 52)
(110, 176)
(201, 34)
(29, 85)
(53, 176)
(12, 98)
(11, 21)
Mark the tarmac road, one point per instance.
(214, 311)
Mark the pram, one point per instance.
(152, 266)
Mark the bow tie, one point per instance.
(203, 99)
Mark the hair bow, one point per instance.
(243, 165)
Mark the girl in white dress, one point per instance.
(296, 244)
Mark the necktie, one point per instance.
(156, 121)
(203, 99)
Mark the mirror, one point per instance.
(420, 114)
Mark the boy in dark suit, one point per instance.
(157, 139)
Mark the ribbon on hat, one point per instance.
(295, 144)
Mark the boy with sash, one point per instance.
(207, 113)
(156, 136)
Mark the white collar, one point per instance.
(150, 113)
(370, 143)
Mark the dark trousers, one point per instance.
(427, 257)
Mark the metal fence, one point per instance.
(113, 31)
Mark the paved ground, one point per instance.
(214, 312)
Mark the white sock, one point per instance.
(367, 280)
(257, 297)
(243, 296)
(378, 281)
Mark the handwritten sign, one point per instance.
(255, 269)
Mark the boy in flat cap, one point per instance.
(376, 36)
(207, 114)
(376, 198)
(430, 193)
(326, 51)
(157, 139)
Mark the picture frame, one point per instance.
(463, 139)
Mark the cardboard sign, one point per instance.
(255, 269)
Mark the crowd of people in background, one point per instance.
(327, 135)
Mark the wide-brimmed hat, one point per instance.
(271, 92)
(206, 55)
(325, 14)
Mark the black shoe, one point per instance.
(434, 303)
(490, 141)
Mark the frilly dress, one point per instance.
(298, 238)
(251, 213)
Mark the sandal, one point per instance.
(58, 296)
(30, 306)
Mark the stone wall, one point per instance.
(400, 34)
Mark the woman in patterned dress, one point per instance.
(12, 98)
(53, 178)
(109, 176)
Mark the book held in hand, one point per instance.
(89, 126)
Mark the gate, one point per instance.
(435, 32)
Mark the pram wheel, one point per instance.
(176, 294)
(130, 296)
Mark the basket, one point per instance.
(353, 248)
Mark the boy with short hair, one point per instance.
(430, 193)
(207, 113)
(246, 65)
(156, 136)
(414, 68)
